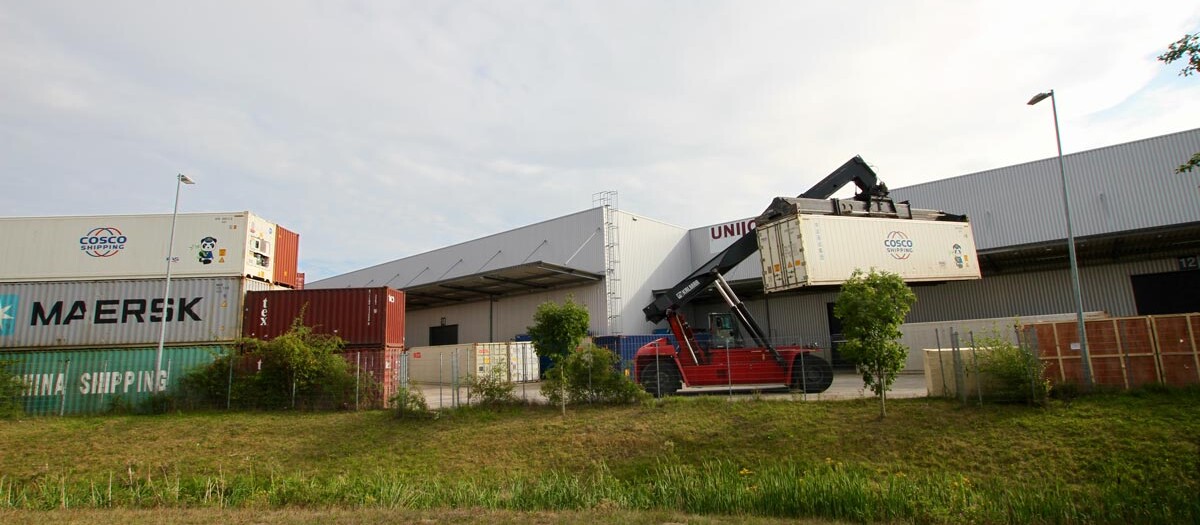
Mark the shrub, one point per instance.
(1016, 374)
(492, 389)
(409, 403)
(592, 377)
(11, 388)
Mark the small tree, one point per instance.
(872, 308)
(1188, 46)
(556, 331)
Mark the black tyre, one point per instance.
(811, 374)
(660, 378)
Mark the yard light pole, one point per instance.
(180, 180)
(1062, 172)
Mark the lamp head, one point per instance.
(1040, 97)
(184, 179)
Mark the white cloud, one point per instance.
(382, 129)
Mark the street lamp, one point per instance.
(1062, 171)
(180, 180)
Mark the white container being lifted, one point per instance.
(812, 250)
(83, 248)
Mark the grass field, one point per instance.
(1101, 459)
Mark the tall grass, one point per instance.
(830, 490)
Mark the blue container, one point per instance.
(626, 346)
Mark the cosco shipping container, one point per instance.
(808, 250)
(446, 364)
(135, 247)
(121, 312)
(81, 381)
(371, 317)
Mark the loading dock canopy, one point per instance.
(515, 280)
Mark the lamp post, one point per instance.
(180, 180)
(1062, 172)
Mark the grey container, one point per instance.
(121, 313)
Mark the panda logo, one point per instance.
(207, 245)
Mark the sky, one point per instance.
(384, 129)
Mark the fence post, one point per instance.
(937, 336)
(357, 378)
(440, 380)
(229, 381)
(960, 388)
(975, 360)
(62, 407)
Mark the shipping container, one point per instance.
(121, 312)
(810, 250)
(372, 317)
(382, 366)
(287, 252)
(625, 347)
(299, 280)
(135, 247)
(83, 381)
(448, 364)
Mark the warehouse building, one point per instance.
(1136, 222)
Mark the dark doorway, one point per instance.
(1167, 293)
(443, 335)
(836, 338)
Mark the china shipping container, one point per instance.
(808, 250)
(287, 252)
(371, 317)
(444, 364)
(81, 381)
(121, 312)
(135, 247)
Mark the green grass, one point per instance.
(1099, 459)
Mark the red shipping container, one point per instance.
(299, 280)
(287, 256)
(362, 317)
(382, 367)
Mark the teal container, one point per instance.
(89, 381)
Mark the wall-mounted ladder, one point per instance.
(612, 258)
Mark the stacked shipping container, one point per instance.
(369, 320)
(82, 307)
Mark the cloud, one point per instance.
(383, 129)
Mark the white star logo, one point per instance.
(4, 316)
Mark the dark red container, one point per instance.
(362, 317)
(287, 256)
(299, 280)
(382, 367)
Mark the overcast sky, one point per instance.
(380, 130)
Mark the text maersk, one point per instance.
(114, 311)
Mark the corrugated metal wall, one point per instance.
(803, 318)
(654, 255)
(1123, 187)
(479, 322)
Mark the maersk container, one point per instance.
(135, 247)
(372, 317)
(287, 251)
(122, 312)
(448, 364)
(810, 250)
(81, 381)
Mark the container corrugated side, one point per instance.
(82, 381)
(372, 317)
(124, 247)
(809, 250)
(442, 364)
(382, 366)
(120, 313)
(287, 256)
